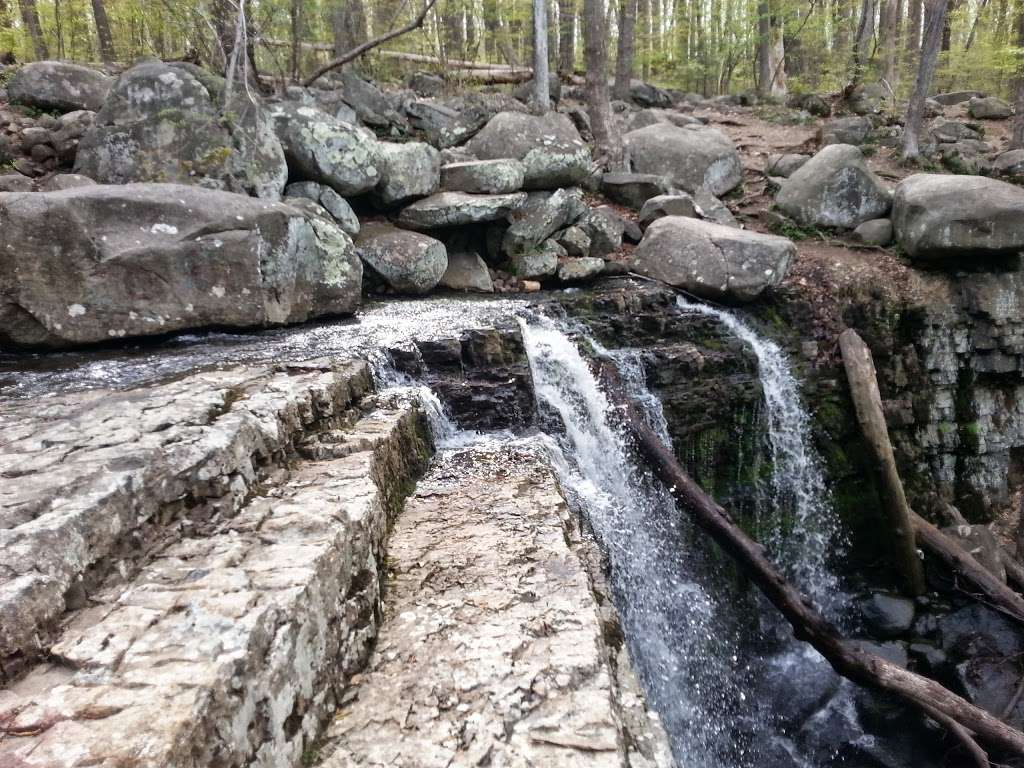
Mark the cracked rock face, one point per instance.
(100, 262)
(712, 260)
(164, 123)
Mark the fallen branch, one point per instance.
(1014, 570)
(978, 755)
(369, 45)
(808, 624)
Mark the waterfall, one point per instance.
(804, 529)
(686, 656)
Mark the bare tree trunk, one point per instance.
(1017, 142)
(862, 43)
(935, 22)
(566, 37)
(889, 30)
(225, 18)
(764, 45)
(974, 26)
(643, 37)
(913, 39)
(541, 82)
(103, 35)
(453, 39)
(595, 50)
(30, 17)
(626, 49)
(348, 25)
(777, 59)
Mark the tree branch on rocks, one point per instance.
(369, 45)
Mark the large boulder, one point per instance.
(956, 97)
(549, 146)
(689, 157)
(407, 171)
(540, 217)
(489, 177)
(457, 209)
(99, 263)
(408, 262)
(712, 261)
(967, 218)
(845, 130)
(835, 188)
(321, 148)
(164, 123)
(329, 200)
(59, 86)
(633, 189)
(988, 108)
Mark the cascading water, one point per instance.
(685, 654)
(804, 529)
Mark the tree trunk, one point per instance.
(777, 59)
(541, 82)
(626, 49)
(889, 33)
(862, 42)
(566, 37)
(30, 17)
(452, 24)
(764, 46)
(225, 19)
(860, 373)
(643, 37)
(974, 26)
(348, 25)
(595, 51)
(1017, 140)
(103, 35)
(935, 22)
(913, 39)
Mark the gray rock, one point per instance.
(371, 105)
(407, 171)
(711, 208)
(667, 205)
(785, 165)
(812, 103)
(467, 272)
(689, 157)
(982, 544)
(492, 177)
(933, 108)
(580, 270)
(15, 182)
(835, 188)
(845, 130)
(966, 157)
(102, 262)
(1009, 163)
(888, 615)
(535, 263)
(61, 181)
(647, 95)
(331, 201)
(524, 91)
(978, 630)
(868, 99)
(426, 84)
(874, 232)
(712, 261)
(59, 86)
(409, 262)
(605, 228)
(163, 124)
(549, 146)
(320, 148)
(949, 131)
(633, 189)
(988, 108)
(956, 97)
(968, 218)
(892, 651)
(456, 209)
(575, 241)
(540, 217)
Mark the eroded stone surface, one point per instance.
(491, 648)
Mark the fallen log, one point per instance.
(850, 661)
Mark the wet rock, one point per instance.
(977, 630)
(712, 261)
(689, 157)
(988, 108)
(492, 177)
(537, 262)
(331, 201)
(667, 205)
(455, 209)
(633, 189)
(605, 228)
(892, 651)
(991, 683)
(845, 130)
(785, 165)
(549, 146)
(409, 262)
(798, 684)
(956, 97)
(580, 270)
(970, 219)
(835, 188)
(406, 171)
(888, 615)
(540, 217)
(161, 123)
(875, 232)
(59, 86)
(102, 262)
(467, 272)
(322, 149)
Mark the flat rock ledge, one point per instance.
(492, 649)
(230, 648)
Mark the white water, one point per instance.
(686, 658)
(800, 527)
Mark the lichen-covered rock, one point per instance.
(103, 262)
(409, 262)
(689, 157)
(868, 99)
(966, 218)
(331, 201)
(575, 241)
(59, 86)
(537, 262)
(407, 171)
(540, 217)
(605, 228)
(549, 146)
(467, 272)
(988, 108)
(320, 148)
(456, 209)
(633, 189)
(489, 177)
(580, 270)
(835, 188)
(712, 261)
(162, 123)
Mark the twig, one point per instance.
(978, 755)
